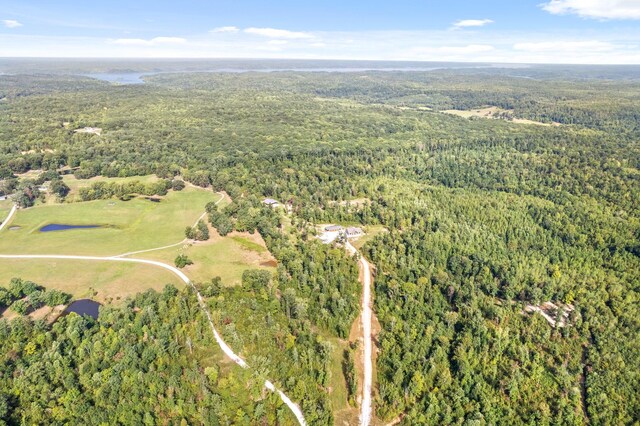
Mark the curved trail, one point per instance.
(9, 217)
(295, 409)
(365, 408)
(225, 348)
(170, 245)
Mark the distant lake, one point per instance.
(137, 77)
(119, 78)
(84, 307)
(61, 227)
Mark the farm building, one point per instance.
(271, 202)
(333, 228)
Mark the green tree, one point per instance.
(182, 260)
(20, 306)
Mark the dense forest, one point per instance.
(145, 362)
(484, 217)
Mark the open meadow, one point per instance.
(124, 226)
(101, 281)
(225, 257)
(5, 207)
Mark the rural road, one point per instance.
(365, 407)
(8, 219)
(225, 348)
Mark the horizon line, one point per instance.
(168, 58)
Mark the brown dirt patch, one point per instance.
(44, 313)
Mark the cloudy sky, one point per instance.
(532, 31)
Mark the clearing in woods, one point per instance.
(496, 113)
(129, 226)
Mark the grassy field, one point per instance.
(101, 281)
(227, 257)
(494, 113)
(5, 207)
(371, 232)
(127, 226)
(343, 412)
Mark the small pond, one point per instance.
(83, 307)
(62, 227)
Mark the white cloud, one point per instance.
(464, 23)
(457, 50)
(157, 41)
(565, 46)
(601, 46)
(598, 9)
(229, 29)
(11, 23)
(276, 33)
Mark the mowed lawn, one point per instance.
(5, 208)
(126, 226)
(225, 257)
(99, 280)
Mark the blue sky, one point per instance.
(553, 31)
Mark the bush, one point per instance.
(56, 297)
(36, 299)
(5, 297)
(199, 233)
(177, 185)
(211, 289)
(59, 188)
(20, 306)
(182, 261)
(189, 233)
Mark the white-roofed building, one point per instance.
(271, 202)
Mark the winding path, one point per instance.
(225, 348)
(365, 407)
(295, 409)
(9, 217)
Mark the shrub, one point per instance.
(20, 306)
(182, 261)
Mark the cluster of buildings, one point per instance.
(350, 232)
(329, 233)
(332, 232)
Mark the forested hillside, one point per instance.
(485, 216)
(146, 362)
